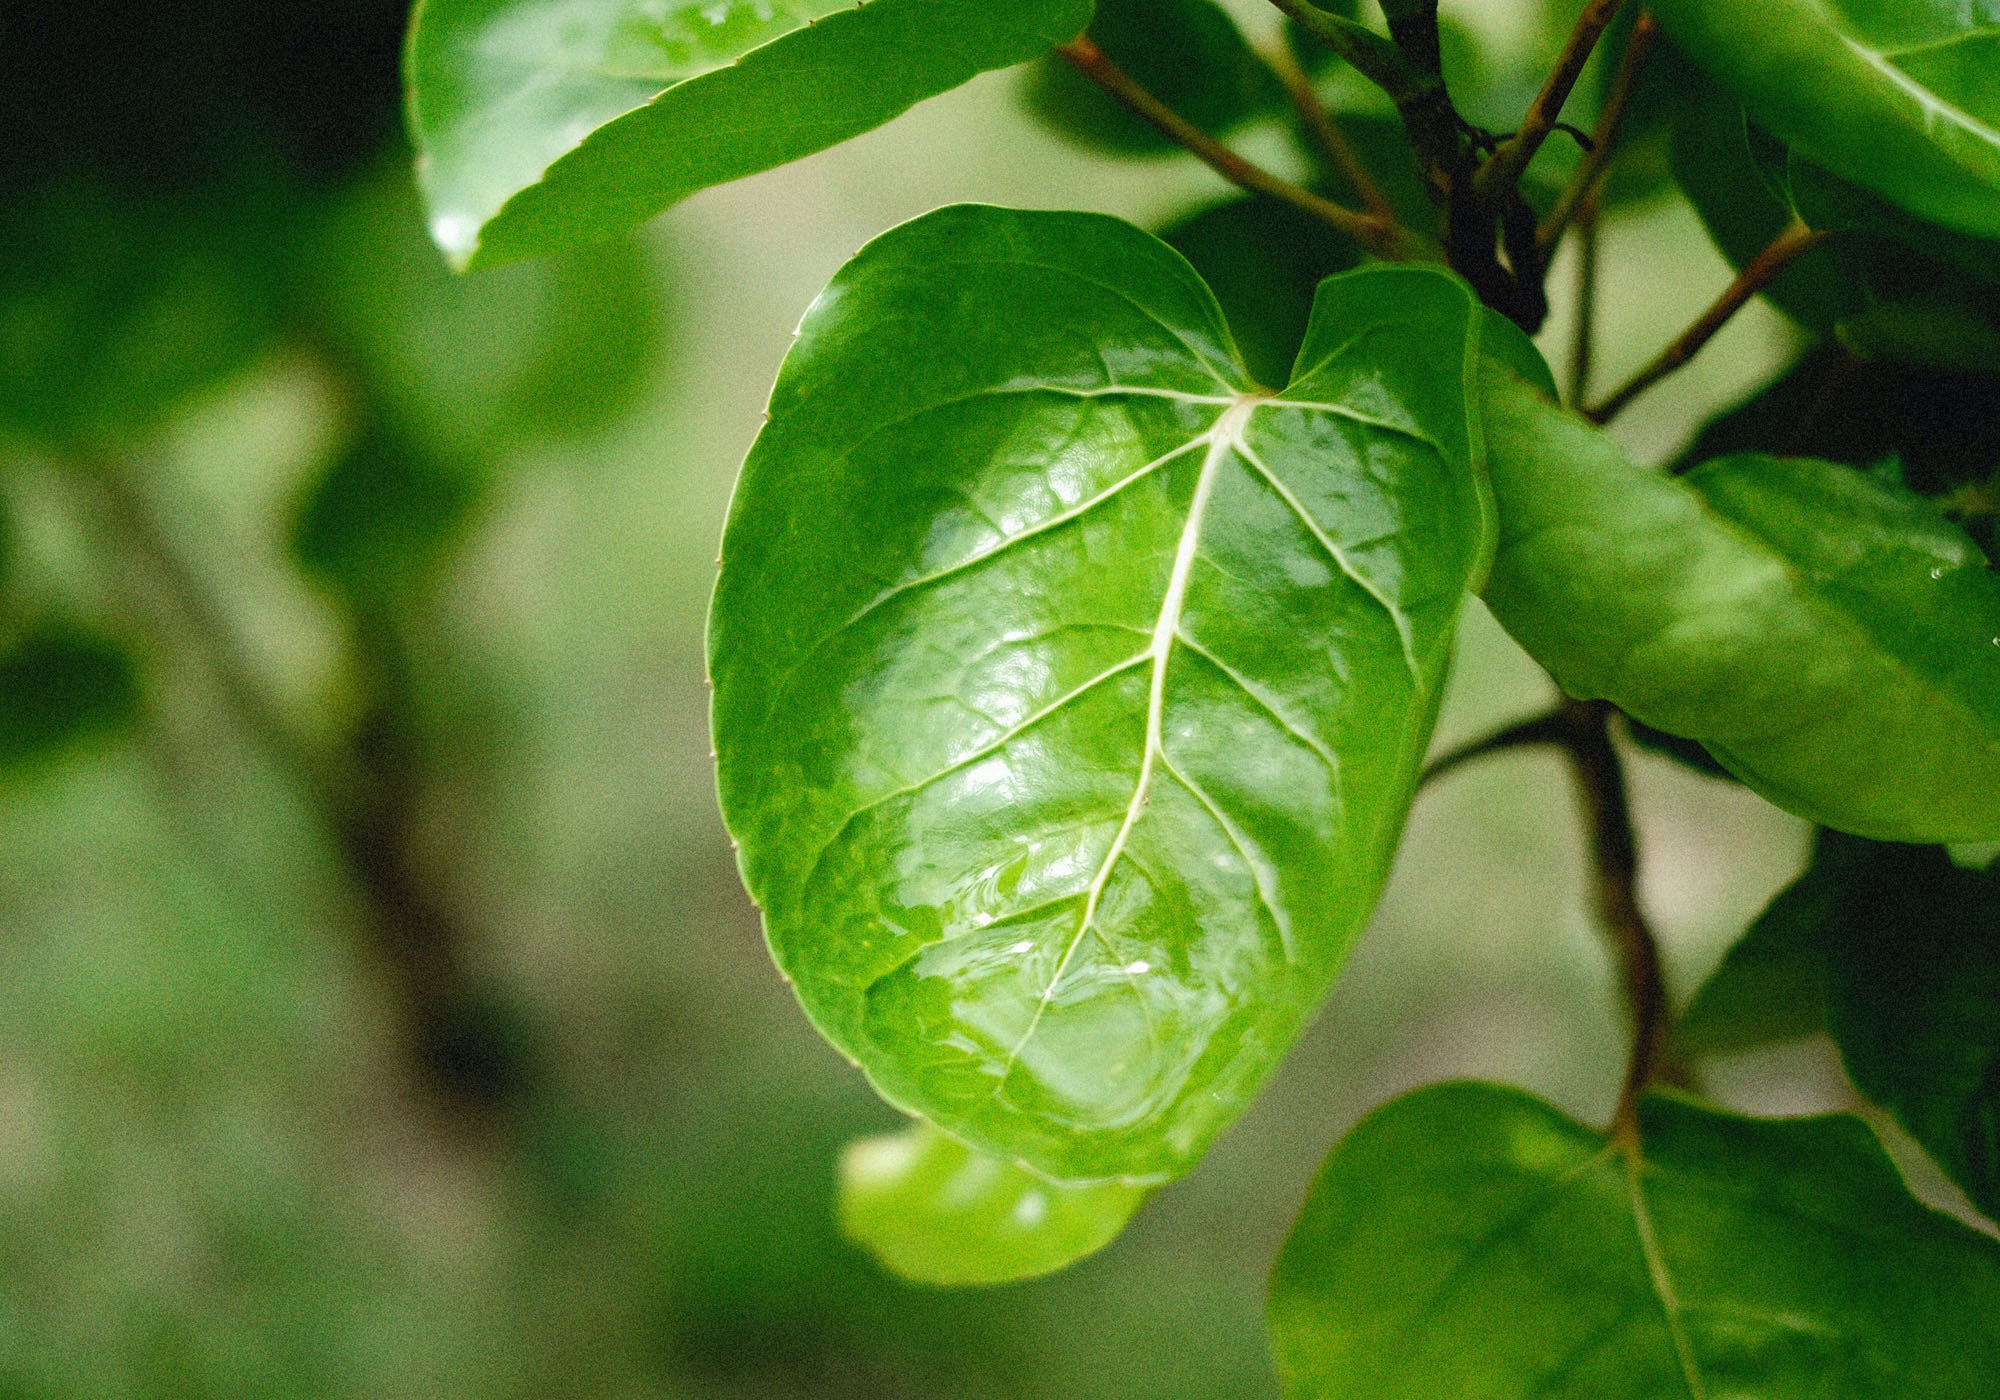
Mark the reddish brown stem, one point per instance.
(1787, 248)
(1381, 237)
(1604, 140)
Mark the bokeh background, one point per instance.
(379, 1011)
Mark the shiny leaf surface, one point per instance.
(542, 124)
(936, 1211)
(1068, 692)
(1897, 95)
(1833, 642)
(1468, 1240)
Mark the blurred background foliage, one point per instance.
(379, 1011)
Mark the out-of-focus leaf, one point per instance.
(1188, 53)
(472, 366)
(1889, 285)
(1897, 95)
(384, 513)
(1035, 663)
(1264, 261)
(1829, 639)
(936, 1211)
(113, 311)
(59, 686)
(1468, 1240)
(545, 124)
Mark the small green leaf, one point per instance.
(1771, 984)
(1715, 157)
(60, 686)
(936, 1211)
(1835, 643)
(543, 124)
(1188, 53)
(1895, 95)
(1069, 693)
(1468, 1240)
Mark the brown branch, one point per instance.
(1614, 851)
(1604, 140)
(1550, 728)
(1382, 237)
(1326, 132)
(1503, 170)
(1787, 248)
(1583, 341)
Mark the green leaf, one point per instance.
(114, 311)
(936, 1211)
(61, 686)
(477, 366)
(1896, 95)
(1835, 643)
(1468, 1240)
(1069, 694)
(1716, 160)
(1264, 261)
(385, 514)
(1188, 53)
(1771, 984)
(1914, 956)
(1939, 427)
(1896, 951)
(543, 124)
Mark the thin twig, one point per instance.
(1787, 248)
(1383, 238)
(1503, 170)
(1327, 133)
(1583, 341)
(1604, 140)
(1614, 850)
(1550, 728)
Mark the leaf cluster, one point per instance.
(1087, 600)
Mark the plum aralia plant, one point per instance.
(1087, 600)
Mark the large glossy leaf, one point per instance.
(542, 124)
(1470, 1241)
(1832, 641)
(936, 1211)
(1069, 693)
(1897, 95)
